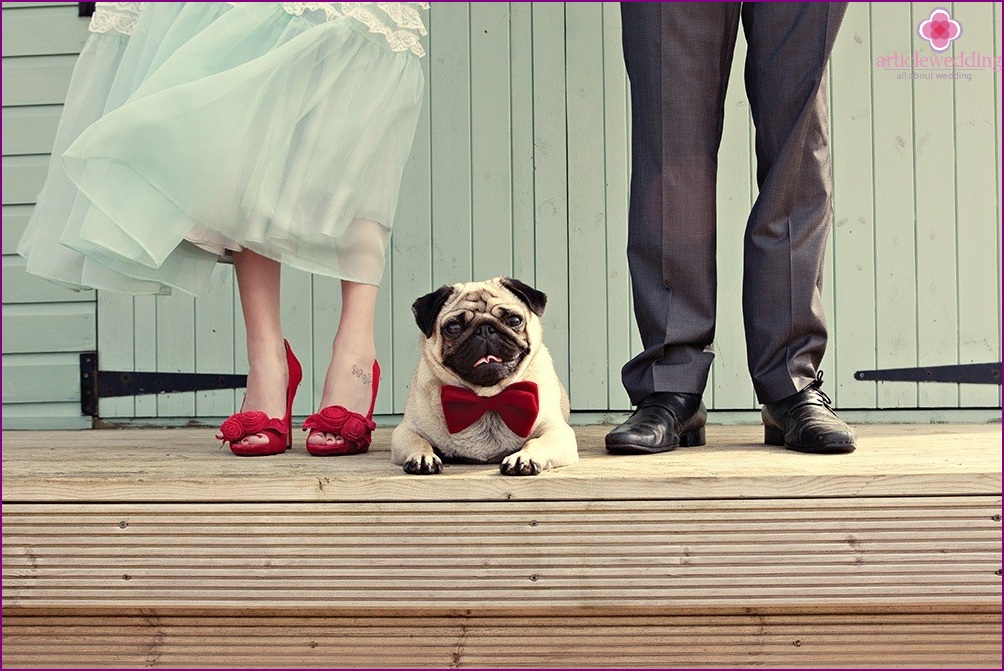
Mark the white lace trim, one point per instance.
(115, 16)
(402, 28)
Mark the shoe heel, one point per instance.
(295, 372)
(773, 436)
(693, 438)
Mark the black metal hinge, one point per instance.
(97, 384)
(968, 373)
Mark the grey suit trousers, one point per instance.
(678, 58)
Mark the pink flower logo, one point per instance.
(939, 29)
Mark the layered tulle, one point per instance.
(246, 127)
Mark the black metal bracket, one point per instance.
(97, 384)
(968, 373)
(85, 8)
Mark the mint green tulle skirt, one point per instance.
(226, 128)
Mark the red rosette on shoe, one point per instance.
(242, 424)
(238, 426)
(355, 429)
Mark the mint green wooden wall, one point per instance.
(521, 167)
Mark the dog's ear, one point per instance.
(427, 308)
(535, 300)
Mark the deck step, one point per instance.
(119, 554)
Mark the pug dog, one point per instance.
(485, 389)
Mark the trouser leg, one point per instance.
(678, 58)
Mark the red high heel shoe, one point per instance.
(356, 431)
(278, 431)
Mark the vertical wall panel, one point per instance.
(410, 245)
(616, 145)
(587, 263)
(491, 154)
(175, 350)
(936, 233)
(214, 346)
(730, 380)
(449, 88)
(853, 293)
(521, 141)
(550, 176)
(894, 205)
(976, 182)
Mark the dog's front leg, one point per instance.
(413, 452)
(553, 448)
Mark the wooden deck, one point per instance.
(155, 548)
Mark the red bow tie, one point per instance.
(516, 405)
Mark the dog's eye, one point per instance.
(513, 321)
(453, 328)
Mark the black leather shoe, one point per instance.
(663, 421)
(805, 422)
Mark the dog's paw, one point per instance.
(423, 464)
(517, 464)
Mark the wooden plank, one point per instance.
(597, 641)
(411, 256)
(449, 98)
(605, 561)
(30, 130)
(326, 301)
(297, 315)
(15, 220)
(893, 169)
(23, 177)
(935, 158)
(853, 332)
(36, 80)
(491, 153)
(48, 416)
(175, 350)
(41, 378)
(20, 287)
(521, 141)
(551, 177)
(587, 291)
(214, 341)
(44, 31)
(617, 165)
(48, 327)
(730, 386)
(144, 329)
(890, 461)
(116, 347)
(978, 216)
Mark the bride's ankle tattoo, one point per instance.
(363, 376)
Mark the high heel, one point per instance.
(355, 430)
(278, 431)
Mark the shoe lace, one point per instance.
(817, 387)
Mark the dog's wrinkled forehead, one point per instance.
(478, 298)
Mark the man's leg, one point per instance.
(789, 46)
(678, 58)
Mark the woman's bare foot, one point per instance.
(348, 383)
(268, 377)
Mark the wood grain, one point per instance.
(906, 640)
(187, 465)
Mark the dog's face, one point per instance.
(480, 332)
